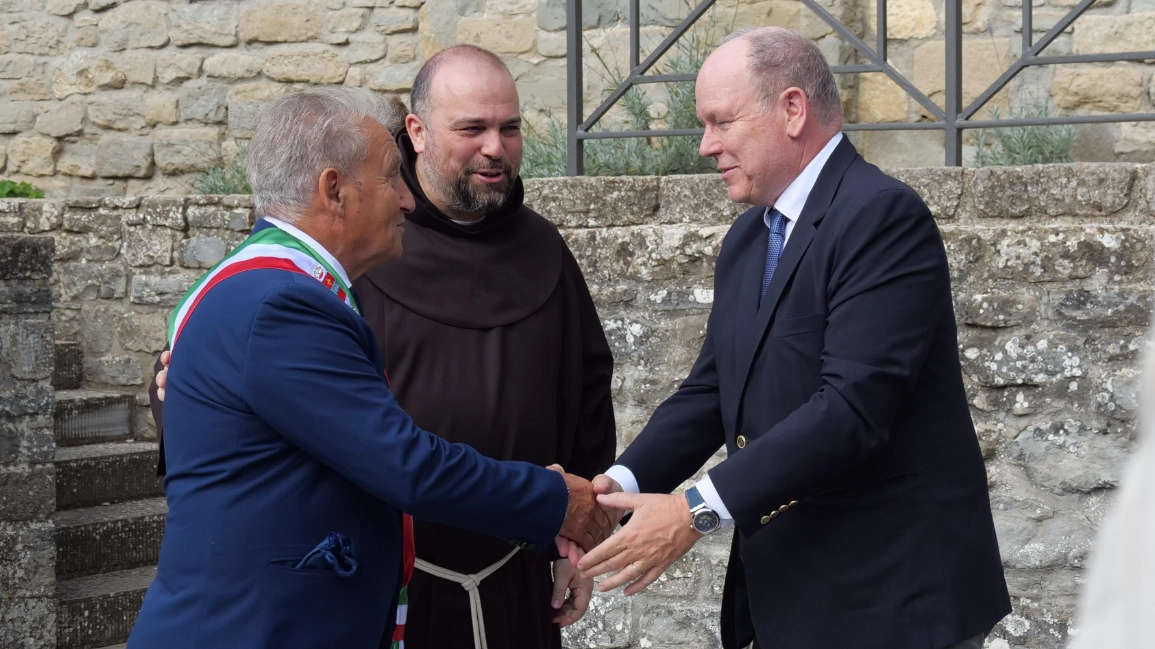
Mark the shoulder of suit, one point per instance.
(302, 294)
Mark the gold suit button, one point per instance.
(741, 441)
(772, 514)
(765, 519)
(792, 503)
(783, 508)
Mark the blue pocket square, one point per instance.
(335, 551)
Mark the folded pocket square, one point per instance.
(335, 551)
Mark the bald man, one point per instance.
(490, 337)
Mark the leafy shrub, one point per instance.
(9, 189)
(1024, 145)
(227, 178)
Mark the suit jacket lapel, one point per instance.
(800, 237)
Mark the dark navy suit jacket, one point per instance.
(846, 391)
(279, 430)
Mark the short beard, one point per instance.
(459, 193)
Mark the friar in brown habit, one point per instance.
(489, 337)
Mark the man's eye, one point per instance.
(514, 128)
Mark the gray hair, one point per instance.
(301, 134)
(783, 58)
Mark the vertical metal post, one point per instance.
(635, 35)
(575, 158)
(1028, 27)
(880, 49)
(951, 133)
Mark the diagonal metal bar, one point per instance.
(1003, 80)
(1063, 24)
(645, 65)
(884, 67)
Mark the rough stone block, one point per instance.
(16, 116)
(997, 310)
(113, 370)
(119, 156)
(139, 66)
(391, 78)
(1103, 307)
(203, 101)
(17, 66)
(204, 24)
(33, 154)
(181, 150)
(986, 59)
(26, 440)
(347, 21)
(175, 66)
(84, 73)
(91, 281)
(161, 289)
(26, 493)
(160, 109)
(402, 49)
(232, 65)
(147, 245)
(998, 360)
(27, 621)
(33, 33)
(364, 48)
(906, 19)
(606, 624)
(1100, 34)
(135, 25)
(202, 251)
(289, 22)
(504, 35)
(118, 111)
(880, 99)
(665, 625)
(102, 222)
(69, 371)
(243, 117)
(62, 118)
(696, 199)
(26, 347)
(596, 13)
(29, 568)
(1115, 88)
(64, 7)
(595, 202)
(940, 187)
(1083, 189)
(142, 332)
(78, 159)
(25, 257)
(1067, 456)
(394, 21)
(310, 66)
(163, 210)
(29, 401)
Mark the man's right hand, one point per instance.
(586, 522)
(162, 376)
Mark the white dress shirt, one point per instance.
(312, 243)
(790, 205)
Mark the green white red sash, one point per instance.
(275, 249)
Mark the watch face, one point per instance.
(706, 522)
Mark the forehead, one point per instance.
(463, 86)
(723, 83)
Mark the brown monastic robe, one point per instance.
(490, 338)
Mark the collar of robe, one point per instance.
(478, 275)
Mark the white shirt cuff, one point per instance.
(713, 500)
(625, 478)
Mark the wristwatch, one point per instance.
(702, 518)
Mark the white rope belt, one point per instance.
(470, 584)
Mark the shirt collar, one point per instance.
(793, 198)
(312, 243)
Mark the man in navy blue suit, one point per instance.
(289, 463)
(830, 372)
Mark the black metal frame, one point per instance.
(952, 121)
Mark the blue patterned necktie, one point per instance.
(775, 242)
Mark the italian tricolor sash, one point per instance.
(275, 249)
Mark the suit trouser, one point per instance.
(974, 643)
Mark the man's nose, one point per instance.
(408, 204)
(710, 146)
(491, 145)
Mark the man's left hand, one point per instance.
(658, 533)
(568, 609)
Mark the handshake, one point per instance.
(587, 523)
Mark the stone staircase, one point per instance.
(110, 511)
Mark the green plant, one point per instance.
(226, 178)
(9, 189)
(1024, 145)
(545, 146)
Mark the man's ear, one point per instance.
(331, 192)
(416, 129)
(797, 110)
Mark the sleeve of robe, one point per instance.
(157, 407)
(595, 444)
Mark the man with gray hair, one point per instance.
(830, 372)
(289, 461)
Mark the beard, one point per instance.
(458, 189)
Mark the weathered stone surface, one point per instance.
(1067, 456)
(505, 35)
(402, 49)
(160, 109)
(16, 66)
(161, 210)
(84, 73)
(29, 570)
(135, 25)
(64, 7)
(1103, 308)
(606, 624)
(142, 332)
(347, 20)
(139, 66)
(118, 111)
(202, 251)
(391, 78)
(394, 21)
(998, 310)
(26, 440)
(906, 19)
(364, 48)
(243, 117)
(596, 13)
(63, 118)
(113, 370)
(232, 65)
(1114, 88)
(25, 257)
(16, 117)
(289, 22)
(28, 620)
(701, 199)
(594, 202)
(181, 150)
(940, 187)
(551, 44)
(147, 245)
(160, 289)
(175, 66)
(312, 66)
(880, 99)
(1085, 189)
(78, 159)
(985, 60)
(30, 33)
(204, 101)
(1098, 34)
(204, 24)
(33, 154)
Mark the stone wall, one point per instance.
(1052, 275)
(133, 97)
(27, 482)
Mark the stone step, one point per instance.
(100, 474)
(108, 538)
(69, 371)
(99, 610)
(87, 417)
